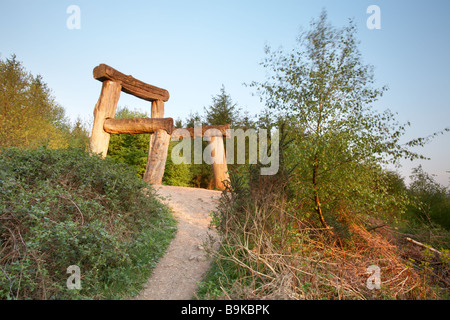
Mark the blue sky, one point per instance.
(193, 47)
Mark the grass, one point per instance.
(218, 280)
(145, 253)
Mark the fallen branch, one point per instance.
(423, 245)
(78, 209)
(376, 227)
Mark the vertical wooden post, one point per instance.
(158, 147)
(105, 108)
(219, 169)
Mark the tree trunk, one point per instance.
(317, 200)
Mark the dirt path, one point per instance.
(185, 262)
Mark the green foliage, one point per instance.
(430, 201)
(128, 148)
(222, 110)
(219, 278)
(324, 91)
(178, 123)
(65, 207)
(133, 149)
(176, 174)
(192, 119)
(333, 152)
(79, 135)
(266, 252)
(29, 114)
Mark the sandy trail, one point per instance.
(185, 262)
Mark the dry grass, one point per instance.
(279, 261)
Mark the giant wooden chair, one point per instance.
(161, 129)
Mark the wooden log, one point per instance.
(158, 147)
(156, 161)
(138, 125)
(105, 108)
(420, 244)
(220, 168)
(130, 85)
(206, 131)
(157, 109)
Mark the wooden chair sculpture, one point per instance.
(161, 129)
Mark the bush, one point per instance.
(65, 207)
(430, 203)
(176, 174)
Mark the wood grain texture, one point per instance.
(206, 131)
(105, 108)
(157, 149)
(138, 125)
(130, 85)
(220, 168)
(156, 161)
(157, 110)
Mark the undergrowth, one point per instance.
(269, 251)
(65, 207)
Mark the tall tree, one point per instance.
(29, 114)
(79, 134)
(222, 110)
(326, 91)
(192, 119)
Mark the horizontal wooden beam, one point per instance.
(130, 85)
(138, 125)
(204, 131)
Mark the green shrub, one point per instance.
(176, 174)
(131, 149)
(430, 203)
(65, 207)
